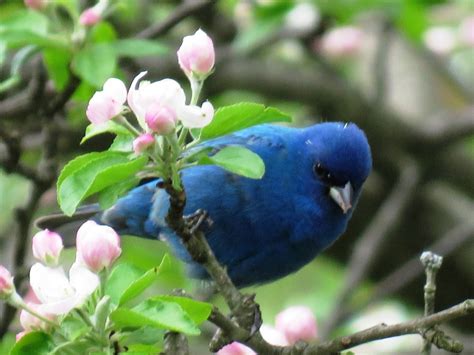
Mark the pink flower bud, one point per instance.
(92, 15)
(341, 42)
(273, 336)
(20, 335)
(297, 323)
(35, 4)
(143, 142)
(196, 54)
(160, 119)
(97, 246)
(30, 322)
(6, 283)
(107, 104)
(440, 39)
(47, 247)
(236, 348)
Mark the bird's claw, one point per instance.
(196, 220)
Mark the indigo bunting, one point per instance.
(262, 229)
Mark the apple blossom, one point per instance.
(143, 142)
(6, 283)
(440, 39)
(47, 247)
(297, 323)
(236, 348)
(30, 322)
(466, 31)
(303, 18)
(20, 335)
(273, 336)
(161, 120)
(59, 294)
(93, 15)
(144, 98)
(196, 55)
(341, 42)
(106, 104)
(97, 246)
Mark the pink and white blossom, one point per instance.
(94, 14)
(341, 42)
(98, 246)
(466, 31)
(143, 142)
(108, 103)
(440, 39)
(6, 283)
(59, 294)
(160, 119)
(297, 323)
(47, 247)
(29, 322)
(196, 55)
(273, 336)
(144, 97)
(236, 348)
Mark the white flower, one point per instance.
(57, 293)
(143, 99)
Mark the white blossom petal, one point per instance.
(84, 281)
(116, 89)
(195, 116)
(49, 284)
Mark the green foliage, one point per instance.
(93, 130)
(95, 63)
(37, 343)
(232, 118)
(198, 311)
(238, 160)
(57, 62)
(135, 48)
(91, 173)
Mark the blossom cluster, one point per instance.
(291, 325)
(159, 107)
(52, 293)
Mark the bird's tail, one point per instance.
(67, 226)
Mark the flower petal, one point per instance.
(84, 281)
(195, 116)
(49, 284)
(116, 89)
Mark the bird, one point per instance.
(262, 229)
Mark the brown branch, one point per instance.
(369, 244)
(186, 9)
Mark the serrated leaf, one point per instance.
(238, 160)
(135, 48)
(110, 126)
(95, 63)
(138, 286)
(37, 343)
(121, 277)
(232, 118)
(109, 195)
(122, 143)
(78, 181)
(196, 310)
(155, 313)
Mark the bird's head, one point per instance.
(340, 161)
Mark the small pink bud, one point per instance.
(196, 54)
(107, 104)
(47, 247)
(35, 4)
(142, 143)
(297, 323)
(160, 119)
(20, 335)
(97, 246)
(236, 348)
(92, 15)
(341, 42)
(30, 322)
(6, 283)
(273, 336)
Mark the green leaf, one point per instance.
(73, 327)
(110, 194)
(143, 349)
(26, 20)
(138, 286)
(238, 160)
(57, 64)
(122, 143)
(239, 116)
(103, 32)
(144, 335)
(22, 38)
(135, 48)
(95, 63)
(196, 310)
(155, 313)
(37, 343)
(110, 126)
(83, 177)
(120, 279)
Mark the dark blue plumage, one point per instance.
(263, 229)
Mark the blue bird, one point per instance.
(264, 229)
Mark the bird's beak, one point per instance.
(342, 196)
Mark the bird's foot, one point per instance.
(196, 220)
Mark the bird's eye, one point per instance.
(324, 174)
